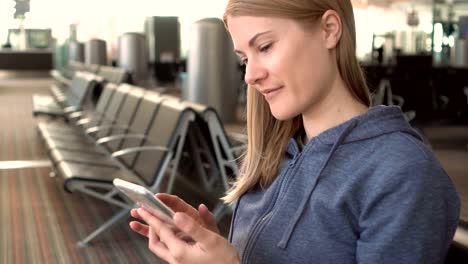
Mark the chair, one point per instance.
(155, 159)
(52, 133)
(115, 124)
(67, 101)
(63, 78)
(114, 75)
(208, 136)
(133, 134)
(385, 96)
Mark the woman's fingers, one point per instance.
(139, 228)
(205, 246)
(208, 218)
(201, 235)
(134, 214)
(177, 204)
(163, 241)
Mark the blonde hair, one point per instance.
(267, 136)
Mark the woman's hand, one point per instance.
(203, 216)
(206, 246)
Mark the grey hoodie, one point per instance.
(366, 191)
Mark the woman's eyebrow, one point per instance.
(253, 39)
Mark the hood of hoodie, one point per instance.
(377, 121)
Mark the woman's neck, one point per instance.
(338, 107)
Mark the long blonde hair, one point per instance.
(267, 136)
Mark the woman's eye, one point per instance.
(265, 48)
(243, 61)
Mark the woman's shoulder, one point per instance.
(398, 157)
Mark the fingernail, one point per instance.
(203, 206)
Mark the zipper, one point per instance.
(259, 225)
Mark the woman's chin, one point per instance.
(282, 115)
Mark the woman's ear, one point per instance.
(332, 28)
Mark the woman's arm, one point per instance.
(410, 217)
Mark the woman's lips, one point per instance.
(270, 93)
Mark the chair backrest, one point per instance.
(72, 68)
(215, 134)
(122, 115)
(92, 68)
(113, 74)
(140, 125)
(105, 98)
(167, 131)
(205, 116)
(112, 110)
(130, 106)
(116, 103)
(81, 85)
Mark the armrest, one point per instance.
(138, 149)
(70, 109)
(96, 129)
(84, 121)
(76, 115)
(116, 137)
(398, 100)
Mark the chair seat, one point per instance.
(60, 133)
(44, 100)
(68, 137)
(92, 158)
(45, 104)
(56, 128)
(75, 173)
(77, 146)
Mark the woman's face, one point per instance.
(288, 64)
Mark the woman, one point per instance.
(326, 178)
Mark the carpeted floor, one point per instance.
(41, 223)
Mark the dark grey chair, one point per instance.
(132, 137)
(116, 124)
(46, 129)
(114, 74)
(64, 77)
(158, 157)
(97, 118)
(72, 99)
(209, 140)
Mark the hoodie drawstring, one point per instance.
(290, 228)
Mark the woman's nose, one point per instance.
(254, 73)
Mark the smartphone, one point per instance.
(144, 198)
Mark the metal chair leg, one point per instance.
(104, 227)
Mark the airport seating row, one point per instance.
(66, 95)
(64, 100)
(141, 136)
(110, 74)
